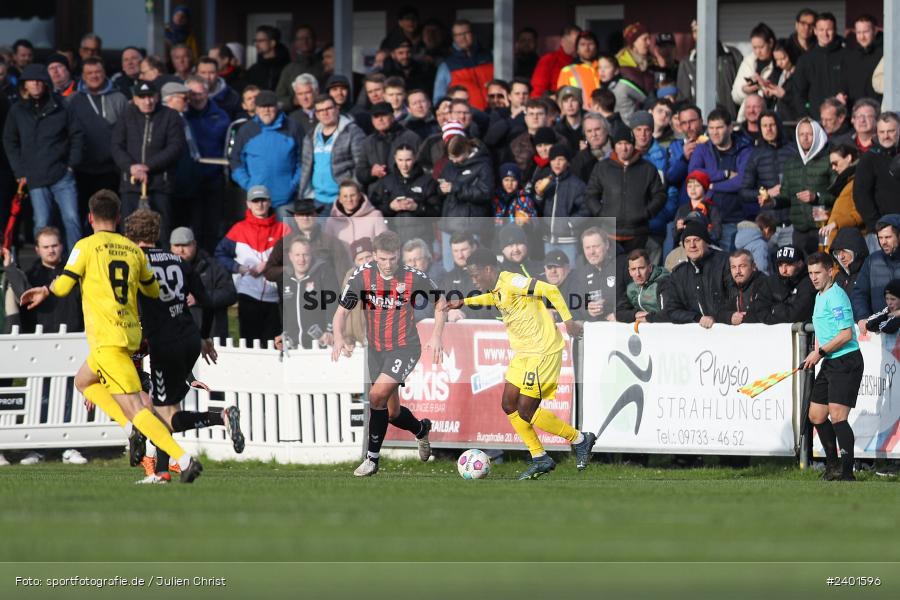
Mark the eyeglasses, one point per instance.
(255, 200)
(462, 33)
(324, 110)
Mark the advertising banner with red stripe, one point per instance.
(462, 396)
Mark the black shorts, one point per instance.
(396, 364)
(170, 370)
(838, 380)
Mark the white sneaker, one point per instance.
(33, 458)
(152, 479)
(3, 461)
(73, 457)
(367, 468)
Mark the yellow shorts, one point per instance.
(115, 369)
(536, 375)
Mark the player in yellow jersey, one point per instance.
(112, 270)
(534, 370)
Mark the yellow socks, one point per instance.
(527, 433)
(100, 396)
(549, 422)
(156, 431)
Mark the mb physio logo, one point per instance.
(626, 368)
(430, 382)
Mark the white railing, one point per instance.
(295, 407)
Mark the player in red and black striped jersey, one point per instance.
(388, 294)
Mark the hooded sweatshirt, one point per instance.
(807, 170)
(365, 221)
(850, 239)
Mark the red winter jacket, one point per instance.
(546, 73)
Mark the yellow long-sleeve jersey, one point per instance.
(528, 322)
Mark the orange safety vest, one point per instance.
(581, 75)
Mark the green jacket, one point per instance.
(646, 297)
(814, 175)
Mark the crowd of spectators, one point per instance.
(594, 171)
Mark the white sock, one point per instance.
(128, 428)
(372, 455)
(540, 456)
(184, 462)
(151, 449)
(579, 439)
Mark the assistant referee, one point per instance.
(835, 388)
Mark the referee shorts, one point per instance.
(536, 375)
(838, 380)
(114, 368)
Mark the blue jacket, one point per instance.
(726, 192)
(209, 127)
(659, 158)
(877, 271)
(269, 155)
(751, 239)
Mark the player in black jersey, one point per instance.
(174, 343)
(388, 294)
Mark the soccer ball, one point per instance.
(473, 464)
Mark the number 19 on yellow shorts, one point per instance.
(536, 375)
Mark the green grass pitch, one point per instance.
(576, 529)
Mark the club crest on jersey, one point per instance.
(310, 286)
(401, 287)
(611, 281)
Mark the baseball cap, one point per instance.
(172, 88)
(144, 88)
(303, 206)
(641, 117)
(788, 254)
(337, 81)
(181, 236)
(380, 109)
(266, 98)
(258, 191)
(556, 258)
(363, 244)
(567, 92)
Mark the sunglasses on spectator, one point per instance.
(255, 200)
